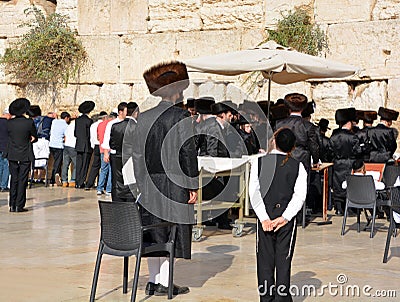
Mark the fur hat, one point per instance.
(19, 106)
(86, 107)
(323, 124)
(279, 112)
(344, 115)
(221, 107)
(203, 104)
(308, 110)
(388, 114)
(369, 116)
(165, 74)
(296, 101)
(359, 115)
(285, 139)
(34, 111)
(190, 102)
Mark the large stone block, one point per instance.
(111, 95)
(8, 93)
(340, 11)
(370, 96)
(12, 15)
(178, 15)
(275, 8)
(369, 45)
(94, 17)
(393, 93)
(104, 59)
(128, 16)
(386, 9)
(73, 95)
(139, 52)
(232, 14)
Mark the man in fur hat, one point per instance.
(383, 137)
(83, 147)
(368, 117)
(165, 167)
(345, 147)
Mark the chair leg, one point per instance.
(358, 221)
(387, 245)
(96, 272)
(344, 219)
(125, 277)
(171, 273)
(371, 235)
(136, 277)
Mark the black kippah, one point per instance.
(357, 165)
(285, 140)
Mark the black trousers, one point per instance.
(19, 171)
(58, 156)
(274, 261)
(82, 166)
(119, 191)
(95, 168)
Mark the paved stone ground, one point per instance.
(48, 254)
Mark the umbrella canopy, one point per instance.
(277, 63)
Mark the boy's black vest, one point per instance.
(277, 182)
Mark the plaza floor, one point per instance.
(48, 254)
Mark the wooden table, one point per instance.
(325, 190)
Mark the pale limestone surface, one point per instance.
(49, 255)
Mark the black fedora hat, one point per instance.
(221, 107)
(86, 107)
(19, 106)
(323, 124)
(203, 104)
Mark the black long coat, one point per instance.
(345, 147)
(213, 139)
(325, 153)
(365, 142)
(165, 166)
(306, 139)
(19, 147)
(82, 133)
(383, 143)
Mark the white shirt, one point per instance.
(93, 134)
(296, 202)
(378, 184)
(107, 134)
(70, 139)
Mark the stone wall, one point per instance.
(123, 38)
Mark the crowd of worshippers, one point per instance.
(255, 123)
(222, 129)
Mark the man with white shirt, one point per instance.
(69, 155)
(278, 189)
(94, 143)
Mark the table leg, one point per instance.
(325, 195)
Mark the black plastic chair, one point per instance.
(361, 194)
(390, 175)
(122, 235)
(394, 197)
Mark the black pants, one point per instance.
(82, 166)
(58, 156)
(274, 261)
(19, 171)
(94, 169)
(119, 191)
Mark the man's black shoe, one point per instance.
(150, 288)
(161, 290)
(19, 210)
(12, 209)
(87, 189)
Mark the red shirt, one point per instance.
(100, 133)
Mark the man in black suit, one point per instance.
(83, 147)
(21, 134)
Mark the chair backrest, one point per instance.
(390, 175)
(395, 197)
(120, 225)
(361, 189)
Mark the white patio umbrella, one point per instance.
(277, 63)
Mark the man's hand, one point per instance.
(106, 157)
(267, 225)
(279, 222)
(192, 196)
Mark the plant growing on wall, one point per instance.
(49, 53)
(295, 30)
